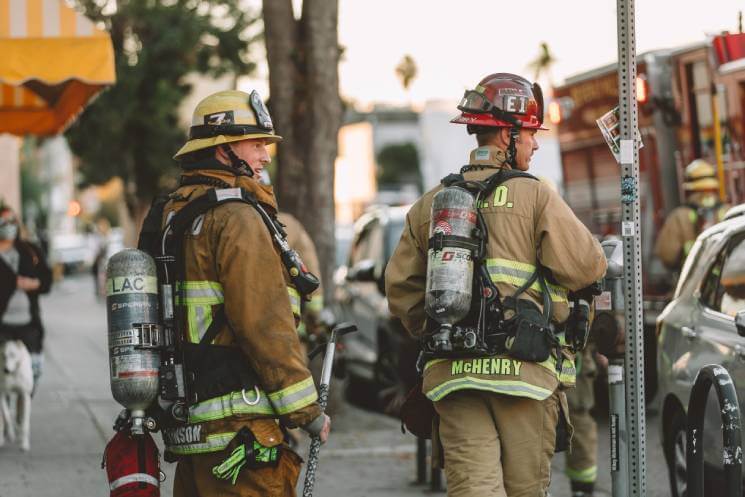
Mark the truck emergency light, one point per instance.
(642, 90)
(554, 112)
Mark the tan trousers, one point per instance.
(497, 445)
(194, 478)
(581, 459)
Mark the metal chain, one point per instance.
(315, 447)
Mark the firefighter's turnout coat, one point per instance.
(300, 240)
(679, 232)
(527, 222)
(231, 261)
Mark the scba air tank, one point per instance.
(449, 262)
(132, 315)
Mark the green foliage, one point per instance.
(399, 164)
(132, 129)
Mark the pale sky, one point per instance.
(456, 43)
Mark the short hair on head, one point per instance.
(196, 156)
(485, 135)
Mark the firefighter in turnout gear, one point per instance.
(310, 307)
(684, 223)
(581, 459)
(232, 444)
(498, 415)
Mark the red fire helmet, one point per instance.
(502, 100)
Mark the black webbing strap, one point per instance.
(439, 240)
(218, 321)
(503, 175)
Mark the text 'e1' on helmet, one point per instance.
(226, 117)
(502, 100)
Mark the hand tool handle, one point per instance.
(315, 448)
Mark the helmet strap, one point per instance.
(238, 164)
(511, 148)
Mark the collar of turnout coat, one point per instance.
(489, 155)
(263, 193)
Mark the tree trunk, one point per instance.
(303, 61)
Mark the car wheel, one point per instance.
(675, 453)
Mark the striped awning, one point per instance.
(53, 60)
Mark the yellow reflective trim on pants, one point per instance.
(518, 273)
(507, 387)
(294, 300)
(294, 397)
(316, 303)
(214, 443)
(229, 405)
(687, 246)
(588, 475)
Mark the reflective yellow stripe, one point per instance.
(687, 246)
(294, 397)
(316, 303)
(433, 362)
(508, 387)
(229, 405)
(199, 318)
(214, 443)
(518, 273)
(199, 297)
(568, 373)
(200, 292)
(588, 475)
(294, 300)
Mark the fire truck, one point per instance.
(681, 93)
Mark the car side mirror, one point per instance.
(362, 271)
(740, 322)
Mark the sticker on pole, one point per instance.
(615, 374)
(603, 302)
(628, 229)
(610, 126)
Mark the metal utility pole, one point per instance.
(630, 230)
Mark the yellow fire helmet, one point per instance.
(226, 117)
(700, 176)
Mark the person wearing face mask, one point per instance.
(235, 290)
(684, 223)
(24, 275)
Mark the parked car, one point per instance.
(698, 328)
(380, 359)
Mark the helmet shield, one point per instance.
(263, 120)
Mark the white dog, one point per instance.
(16, 383)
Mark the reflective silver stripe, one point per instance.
(214, 443)
(134, 478)
(229, 405)
(294, 397)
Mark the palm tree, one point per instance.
(406, 70)
(542, 64)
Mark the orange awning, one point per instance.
(53, 60)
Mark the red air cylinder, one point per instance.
(132, 465)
